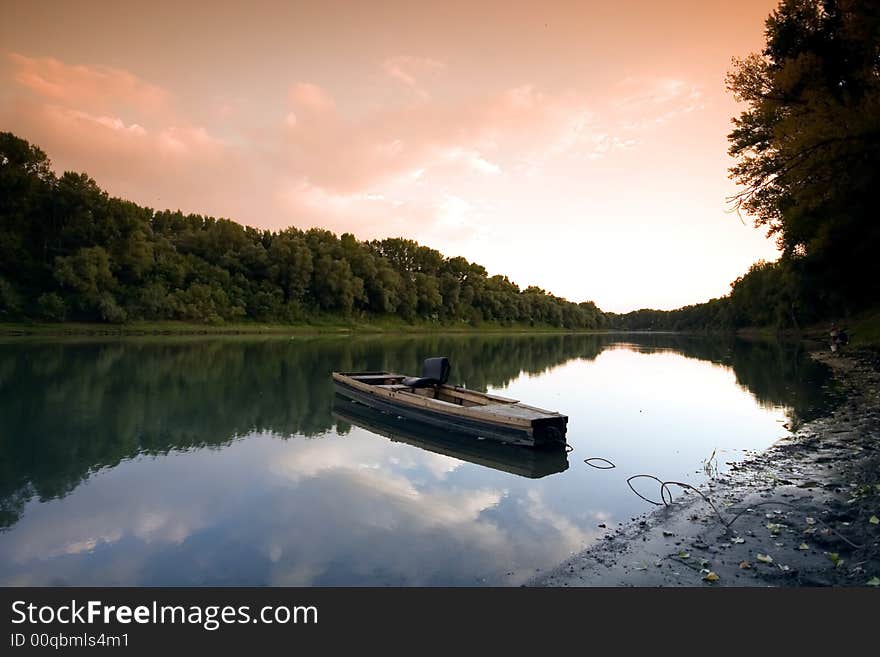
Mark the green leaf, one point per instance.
(874, 520)
(764, 558)
(803, 546)
(711, 576)
(874, 581)
(834, 557)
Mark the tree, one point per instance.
(87, 274)
(808, 144)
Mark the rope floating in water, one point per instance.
(608, 464)
(663, 489)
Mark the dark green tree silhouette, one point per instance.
(808, 146)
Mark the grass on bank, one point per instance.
(864, 330)
(329, 325)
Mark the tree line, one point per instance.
(69, 251)
(758, 298)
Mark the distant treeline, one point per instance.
(68, 251)
(763, 297)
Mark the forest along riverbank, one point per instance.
(802, 513)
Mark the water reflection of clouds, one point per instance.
(289, 512)
(358, 450)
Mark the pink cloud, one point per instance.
(402, 168)
(411, 71)
(311, 98)
(86, 87)
(657, 100)
(443, 221)
(112, 123)
(351, 154)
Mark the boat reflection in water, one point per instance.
(533, 463)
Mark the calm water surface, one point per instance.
(219, 461)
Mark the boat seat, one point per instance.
(435, 372)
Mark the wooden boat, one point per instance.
(431, 400)
(513, 459)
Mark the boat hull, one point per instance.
(539, 432)
(512, 459)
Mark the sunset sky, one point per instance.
(578, 146)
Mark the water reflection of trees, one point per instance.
(776, 373)
(67, 410)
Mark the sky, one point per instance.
(577, 146)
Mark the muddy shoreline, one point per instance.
(802, 513)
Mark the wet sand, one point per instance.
(801, 513)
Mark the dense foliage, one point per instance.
(70, 252)
(808, 151)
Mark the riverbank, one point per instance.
(256, 328)
(863, 330)
(805, 512)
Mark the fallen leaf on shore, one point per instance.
(711, 577)
(738, 540)
(745, 565)
(874, 520)
(810, 521)
(764, 558)
(684, 555)
(874, 581)
(803, 546)
(834, 558)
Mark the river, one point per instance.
(229, 460)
